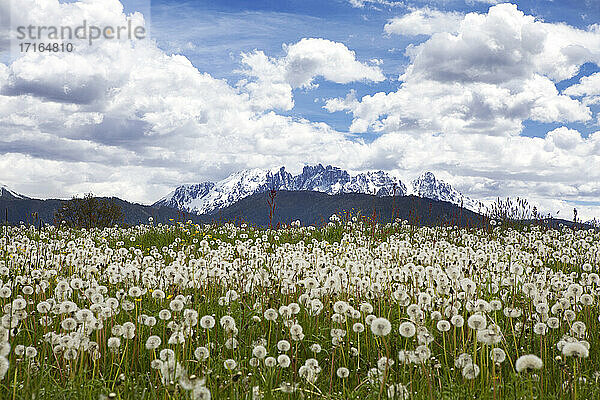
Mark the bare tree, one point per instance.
(271, 203)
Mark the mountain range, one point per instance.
(309, 207)
(209, 197)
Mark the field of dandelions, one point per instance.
(350, 310)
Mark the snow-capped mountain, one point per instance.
(333, 180)
(429, 187)
(6, 192)
(185, 194)
(207, 197)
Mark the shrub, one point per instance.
(89, 212)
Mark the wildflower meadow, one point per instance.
(348, 310)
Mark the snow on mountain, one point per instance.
(428, 186)
(6, 192)
(317, 178)
(207, 197)
(333, 180)
(185, 194)
(378, 183)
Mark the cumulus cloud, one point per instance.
(320, 57)
(498, 70)
(424, 21)
(430, 106)
(504, 45)
(272, 79)
(464, 97)
(563, 138)
(588, 87)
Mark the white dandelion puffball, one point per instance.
(284, 360)
(498, 355)
(283, 346)
(443, 325)
(270, 362)
(153, 342)
(457, 320)
(470, 371)
(477, 322)
(343, 372)
(575, 349)
(358, 327)
(528, 362)
(200, 392)
(207, 322)
(230, 364)
(259, 352)
(381, 327)
(407, 329)
(201, 353)
(270, 314)
(30, 352)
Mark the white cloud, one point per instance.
(552, 171)
(497, 71)
(3, 74)
(430, 106)
(274, 78)
(424, 21)
(268, 89)
(310, 58)
(588, 87)
(563, 138)
(504, 45)
(464, 98)
(374, 3)
(484, 1)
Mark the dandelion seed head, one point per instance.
(528, 362)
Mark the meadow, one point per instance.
(348, 310)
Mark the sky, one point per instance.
(498, 99)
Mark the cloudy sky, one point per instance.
(499, 99)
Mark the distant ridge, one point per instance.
(308, 207)
(7, 193)
(315, 208)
